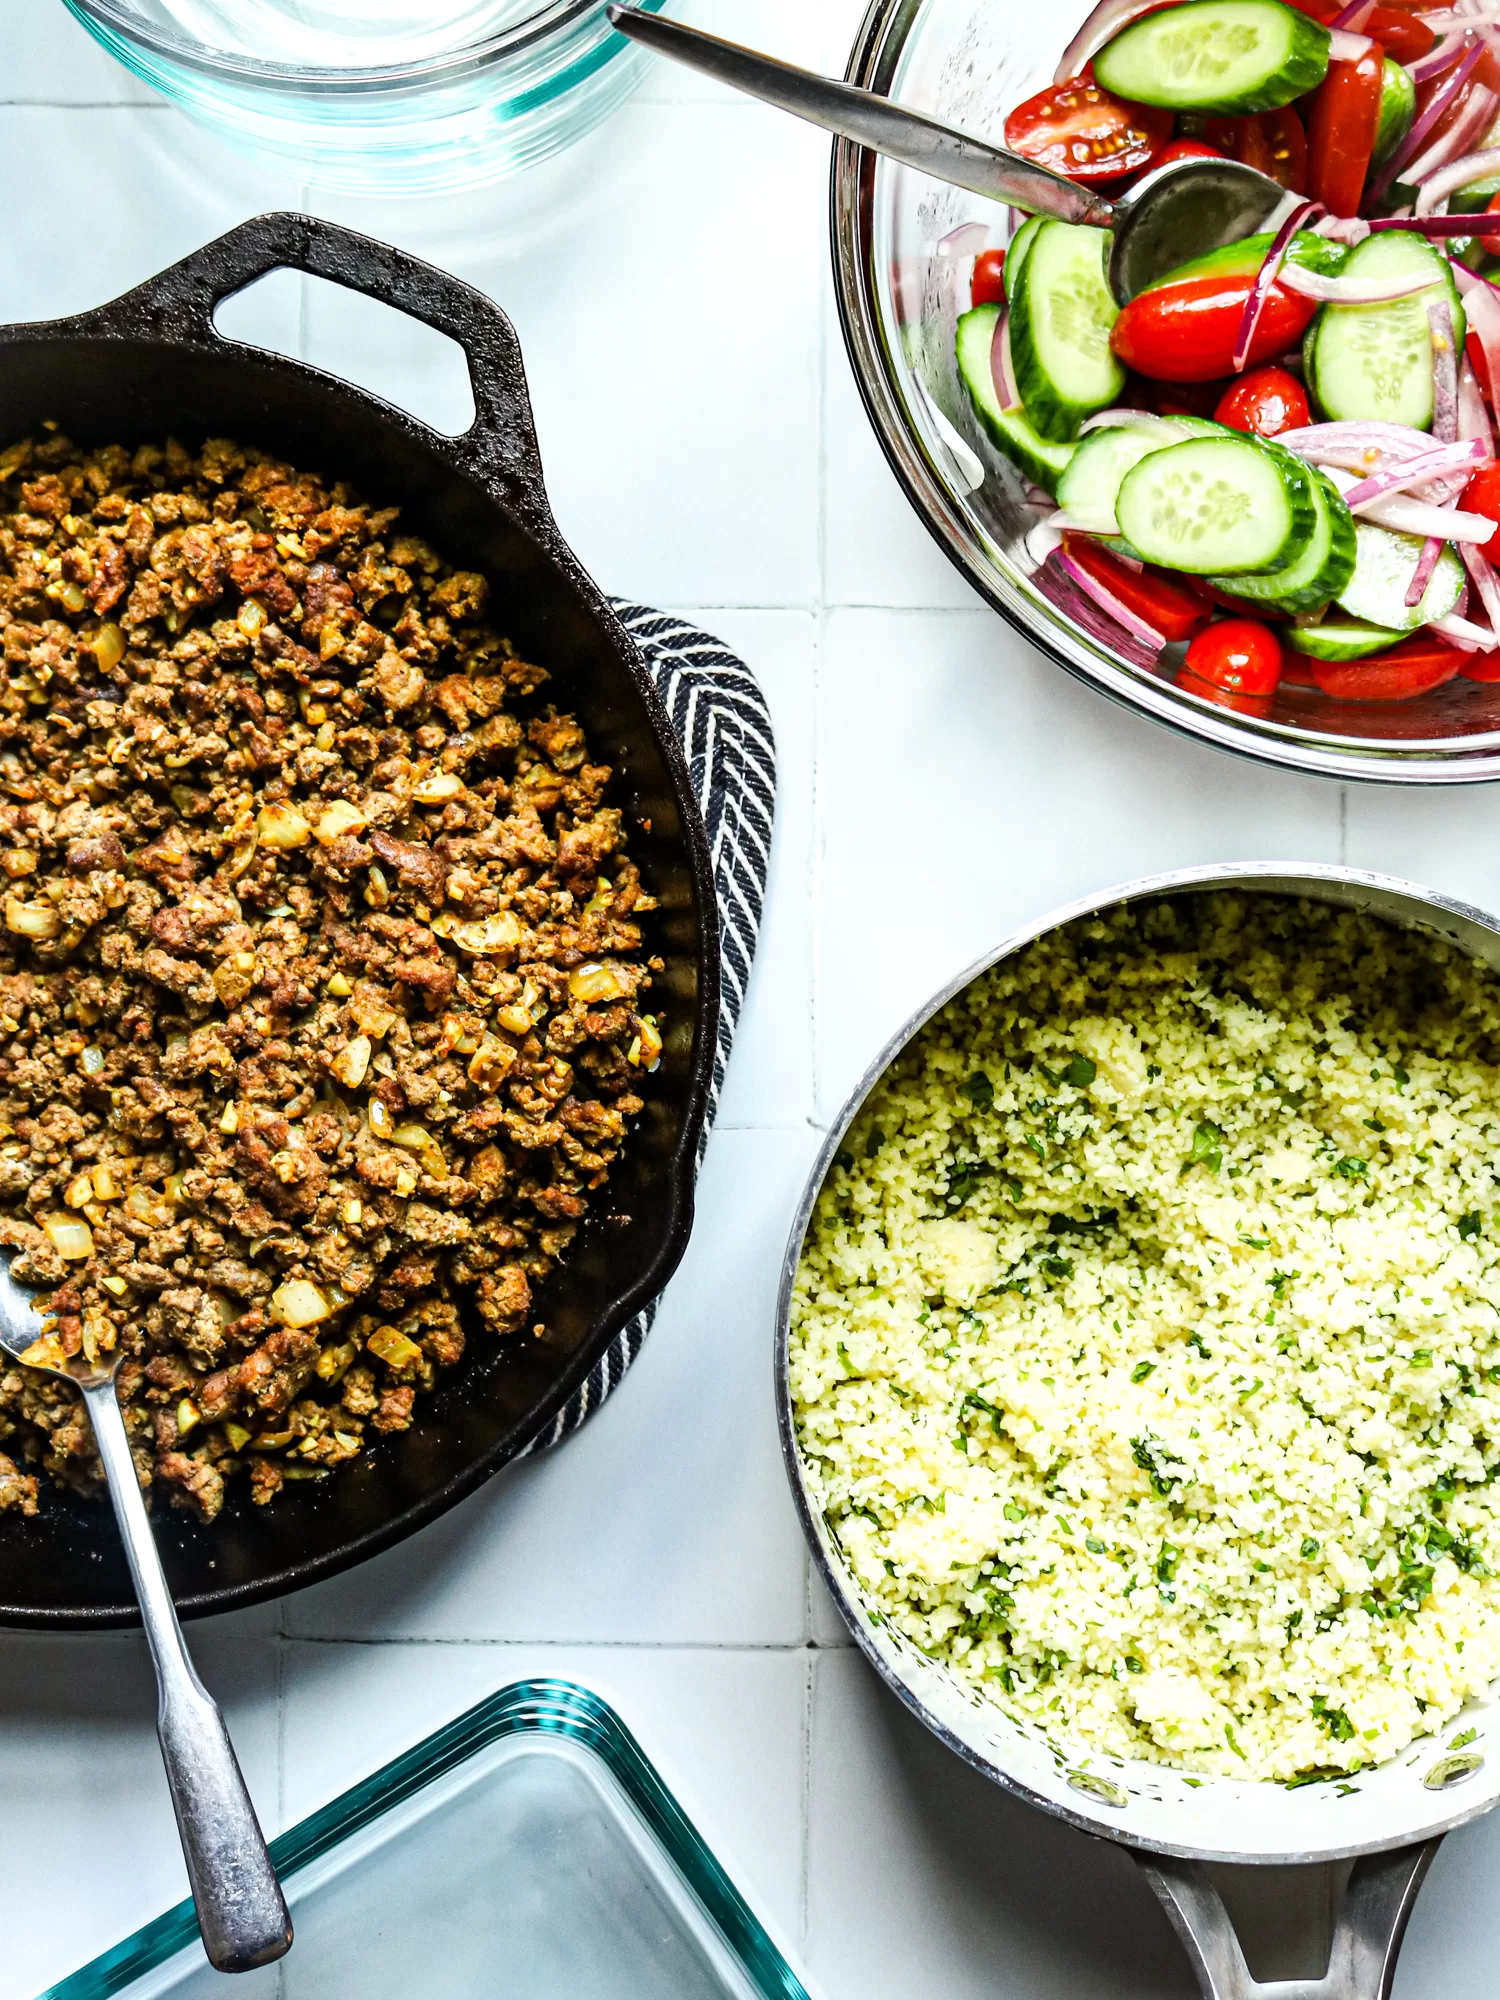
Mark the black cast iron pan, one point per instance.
(151, 364)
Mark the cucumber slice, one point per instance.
(1319, 573)
(1384, 564)
(1398, 107)
(1216, 55)
(1339, 639)
(1060, 316)
(1217, 506)
(1244, 259)
(1042, 461)
(1376, 361)
(1020, 248)
(1475, 198)
(1090, 487)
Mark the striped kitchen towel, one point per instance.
(720, 714)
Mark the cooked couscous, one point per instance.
(1146, 1342)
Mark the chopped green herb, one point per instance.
(874, 1143)
(1081, 1071)
(979, 1091)
(1471, 1224)
(1208, 1147)
(1141, 1370)
(1310, 1548)
(1013, 1512)
(1057, 1267)
(1036, 1145)
(1256, 1242)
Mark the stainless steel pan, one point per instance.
(1391, 1819)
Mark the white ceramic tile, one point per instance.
(47, 58)
(965, 783)
(666, 1519)
(670, 351)
(1443, 839)
(96, 228)
(88, 1845)
(723, 1729)
(770, 1073)
(925, 1878)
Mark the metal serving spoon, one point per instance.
(241, 1911)
(1182, 210)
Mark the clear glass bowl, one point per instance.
(528, 1847)
(388, 97)
(968, 62)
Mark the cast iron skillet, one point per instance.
(151, 364)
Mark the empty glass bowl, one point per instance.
(902, 281)
(380, 96)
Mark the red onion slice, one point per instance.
(1473, 419)
(1413, 472)
(1443, 57)
(1473, 123)
(1265, 278)
(1344, 47)
(1109, 420)
(1001, 372)
(1444, 372)
(1419, 517)
(1352, 18)
(1106, 21)
(1350, 291)
(1411, 145)
(966, 241)
(1438, 227)
(1107, 602)
(1466, 637)
(1421, 576)
(1447, 180)
(1482, 571)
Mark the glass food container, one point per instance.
(528, 1849)
(380, 96)
(902, 281)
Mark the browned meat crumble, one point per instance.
(320, 968)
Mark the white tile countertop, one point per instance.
(940, 782)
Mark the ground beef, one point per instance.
(321, 969)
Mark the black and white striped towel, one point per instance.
(720, 715)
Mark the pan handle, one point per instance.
(1362, 1963)
(178, 305)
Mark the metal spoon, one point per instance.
(241, 1911)
(1180, 211)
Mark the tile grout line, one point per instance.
(808, 1645)
(809, 1696)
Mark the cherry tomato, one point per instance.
(1186, 399)
(1412, 668)
(1265, 401)
(987, 287)
(1341, 132)
(1403, 37)
(1479, 666)
(1273, 142)
(1239, 654)
(1474, 349)
(1076, 128)
(1319, 10)
(1186, 149)
(1156, 595)
(1242, 704)
(1296, 670)
(1482, 494)
(1185, 332)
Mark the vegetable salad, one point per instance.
(1283, 453)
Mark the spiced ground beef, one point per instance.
(321, 971)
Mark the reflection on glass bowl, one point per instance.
(900, 291)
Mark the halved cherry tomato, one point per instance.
(1078, 129)
(1273, 142)
(1296, 669)
(1265, 401)
(1341, 132)
(1186, 399)
(1474, 349)
(1186, 149)
(1412, 668)
(1185, 332)
(1239, 654)
(1242, 704)
(1156, 595)
(987, 287)
(1319, 10)
(1403, 37)
(1480, 666)
(1482, 495)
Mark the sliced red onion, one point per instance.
(1472, 123)
(1441, 19)
(1107, 602)
(1344, 47)
(1466, 637)
(1439, 227)
(1413, 472)
(1482, 574)
(1362, 447)
(1002, 374)
(1473, 419)
(1421, 576)
(1443, 57)
(1419, 517)
(1349, 291)
(1042, 541)
(1352, 18)
(1106, 420)
(1447, 180)
(1265, 278)
(966, 241)
(1349, 229)
(1411, 145)
(1106, 21)
(1444, 371)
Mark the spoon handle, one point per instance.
(241, 1911)
(869, 120)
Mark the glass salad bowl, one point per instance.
(902, 279)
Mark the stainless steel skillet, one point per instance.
(1390, 1820)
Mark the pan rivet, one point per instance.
(1105, 1790)
(1450, 1771)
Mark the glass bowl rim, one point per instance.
(550, 20)
(874, 58)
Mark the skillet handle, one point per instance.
(1362, 1963)
(178, 305)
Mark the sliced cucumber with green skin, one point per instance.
(1216, 55)
(1020, 248)
(1244, 259)
(1339, 639)
(1060, 318)
(1090, 487)
(1384, 565)
(1319, 573)
(1042, 460)
(1398, 107)
(1375, 362)
(1217, 506)
(1475, 198)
